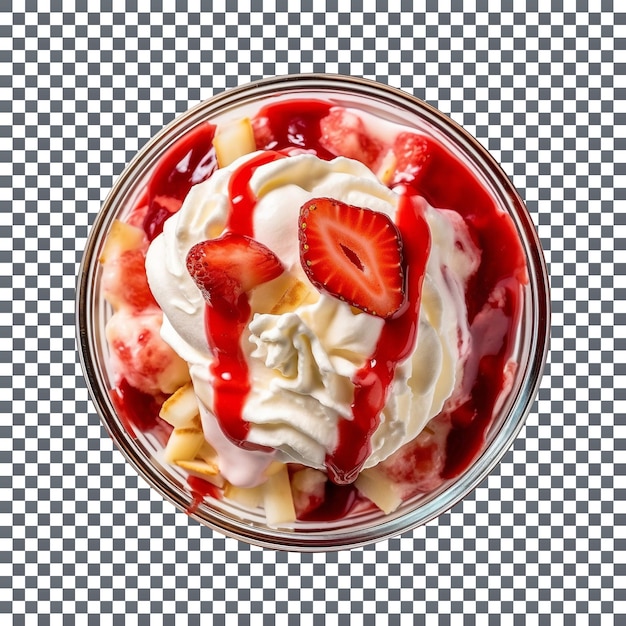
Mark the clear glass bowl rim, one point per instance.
(387, 526)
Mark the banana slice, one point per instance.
(296, 294)
(233, 140)
(181, 407)
(375, 486)
(250, 497)
(277, 498)
(207, 454)
(183, 444)
(206, 471)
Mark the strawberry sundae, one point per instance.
(315, 311)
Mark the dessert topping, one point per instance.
(229, 266)
(372, 382)
(352, 253)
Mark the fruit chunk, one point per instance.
(123, 258)
(124, 281)
(282, 125)
(122, 237)
(233, 140)
(206, 471)
(273, 468)
(378, 488)
(139, 355)
(308, 488)
(343, 133)
(282, 295)
(183, 444)
(352, 253)
(250, 497)
(412, 151)
(277, 498)
(296, 294)
(418, 465)
(181, 407)
(227, 267)
(207, 453)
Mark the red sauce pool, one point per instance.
(139, 411)
(200, 489)
(445, 183)
(188, 162)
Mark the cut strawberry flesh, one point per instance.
(140, 355)
(418, 465)
(352, 253)
(412, 152)
(227, 267)
(343, 133)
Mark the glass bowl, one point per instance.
(142, 450)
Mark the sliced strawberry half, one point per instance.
(229, 266)
(352, 253)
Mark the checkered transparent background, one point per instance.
(83, 86)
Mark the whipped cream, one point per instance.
(302, 362)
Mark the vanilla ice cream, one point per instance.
(302, 362)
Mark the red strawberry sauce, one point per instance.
(188, 162)
(224, 328)
(446, 183)
(139, 411)
(396, 343)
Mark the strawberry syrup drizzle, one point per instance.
(229, 368)
(395, 344)
(242, 199)
(224, 327)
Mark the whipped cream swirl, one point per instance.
(302, 361)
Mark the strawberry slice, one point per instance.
(343, 133)
(227, 267)
(412, 153)
(352, 253)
